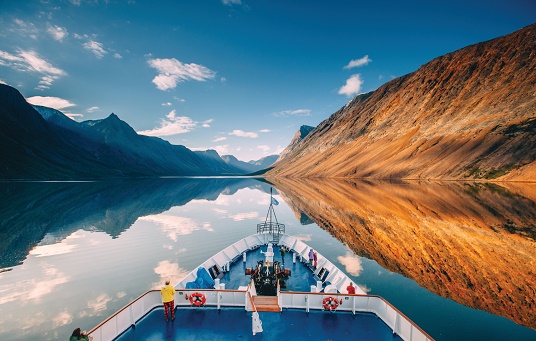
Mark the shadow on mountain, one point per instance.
(470, 242)
(31, 210)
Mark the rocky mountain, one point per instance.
(474, 243)
(298, 137)
(30, 148)
(470, 114)
(42, 143)
(250, 166)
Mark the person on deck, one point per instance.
(315, 259)
(311, 256)
(78, 335)
(351, 289)
(283, 251)
(168, 299)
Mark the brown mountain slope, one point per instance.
(472, 242)
(467, 114)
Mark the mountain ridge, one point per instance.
(466, 115)
(42, 143)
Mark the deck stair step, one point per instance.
(266, 303)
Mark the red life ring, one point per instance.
(197, 299)
(330, 303)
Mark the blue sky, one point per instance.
(238, 76)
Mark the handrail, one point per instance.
(361, 295)
(143, 295)
(253, 307)
(120, 310)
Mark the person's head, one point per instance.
(168, 281)
(77, 332)
(351, 284)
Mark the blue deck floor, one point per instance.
(207, 323)
(301, 278)
(235, 324)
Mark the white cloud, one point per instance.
(352, 263)
(303, 237)
(58, 33)
(264, 148)
(25, 28)
(51, 102)
(99, 304)
(95, 47)
(222, 149)
(179, 99)
(62, 319)
(117, 56)
(352, 86)
(264, 131)
(174, 226)
(92, 109)
(288, 113)
(167, 270)
(167, 104)
(52, 249)
(241, 133)
(219, 139)
(207, 123)
(30, 61)
(171, 125)
(358, 62)
(172, 72)
(244, 216)
(231, 2)
(47, 279)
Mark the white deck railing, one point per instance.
(133, 312)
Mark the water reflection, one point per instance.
(81, 251)
(41, 212)
(470, 242)
(77, 252)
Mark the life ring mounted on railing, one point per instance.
(197, 299)
(330, 303)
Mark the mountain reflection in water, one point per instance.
(79, 251)
(470, 242)
(29, 211)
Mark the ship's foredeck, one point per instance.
(207, 323)
(301, 277)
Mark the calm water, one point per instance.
(458, 259)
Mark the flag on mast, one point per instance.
(274, 202)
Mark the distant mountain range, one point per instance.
(37, 142)
(470, 114)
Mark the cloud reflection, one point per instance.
(352, 264)
(167, 270)
(175, 226)
(244, 216)
(35, 288)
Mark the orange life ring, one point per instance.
(330, 303)
(197, 299)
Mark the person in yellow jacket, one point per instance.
(168, 299)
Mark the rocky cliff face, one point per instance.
(298, 137)
(473, 243)
(467, 114)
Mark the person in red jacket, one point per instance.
(351, 289)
